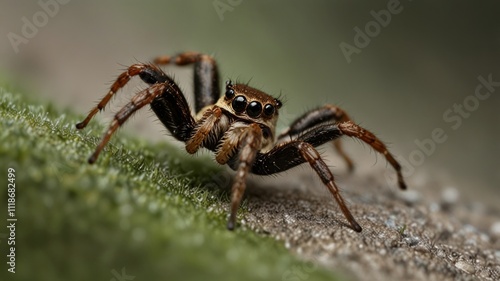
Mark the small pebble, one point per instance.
(410, 196)
(450, 195)
(434, 207)
(495, 228)
(390, 222)
(465, 266)
(412, 241)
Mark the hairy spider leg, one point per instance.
(166, 100)
(250, 141)
(352, 130)
(240, 145)
(300, 150)
(322, 133)
(312, 156)
(138, 101)
(208, 121)
(206, 76)
(322, 115)
(295, 152)
(120, 82)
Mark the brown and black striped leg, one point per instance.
(278, 159)
(312, 156)
(138, 101)
(206, 76)
(250, 142)
(352, 130)
(148, 73)
(324, 133)
(322, 115)
(293, 153)
(167, 102)
(208, 121)
(164, 97)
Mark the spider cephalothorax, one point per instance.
(249, 105)
(239, 126)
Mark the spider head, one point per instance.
(249, 104)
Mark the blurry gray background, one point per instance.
(424, 61)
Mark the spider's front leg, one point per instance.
(164, 97)
(238, 149)
(148, 73)
(166, 100)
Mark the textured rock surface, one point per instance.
(425, 233)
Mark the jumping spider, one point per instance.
(239, 127)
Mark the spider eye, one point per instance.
(239, 104)
(268, 109)
(229, 93)
(229, 90)
(254, 109)
(278, 103)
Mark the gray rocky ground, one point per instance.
(426, 233)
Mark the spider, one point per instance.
(239, 126)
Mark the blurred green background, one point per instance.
(424, 61)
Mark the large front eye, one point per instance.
(239, 104)
(254, 109)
